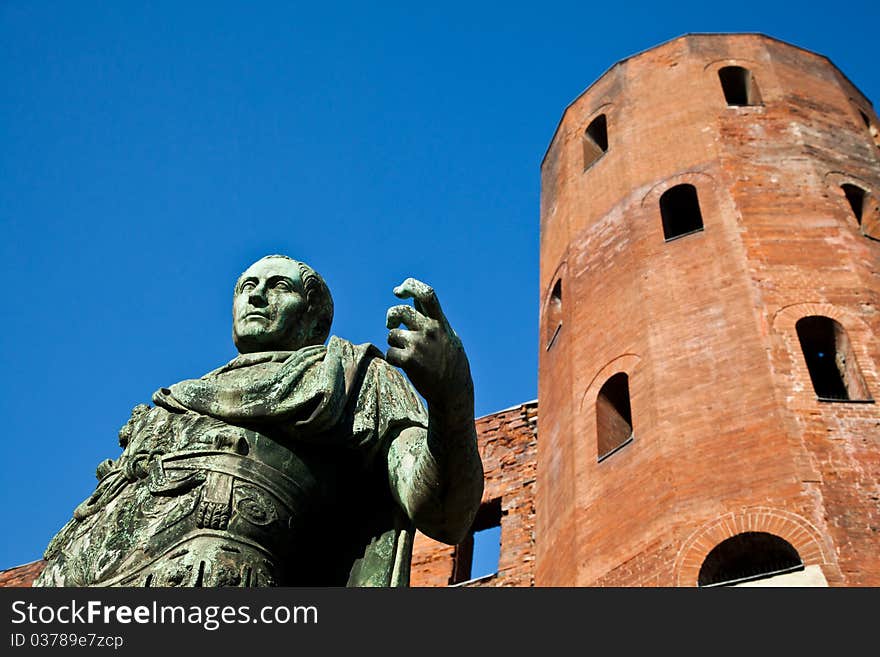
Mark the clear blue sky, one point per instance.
(151, 151)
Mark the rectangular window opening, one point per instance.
(595, 140)
(830, 359)
(738, 84)
(613, 416)
(478, 556)
(680, 212)
(855, 195)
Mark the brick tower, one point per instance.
(710, 311)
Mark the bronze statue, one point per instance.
(295, 464)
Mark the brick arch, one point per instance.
(625, 363)
(581, 126)
(861, 337)
(802, 535)
(835, 179)
(760, 72)
(699, 179)
(870, 221)
(596, 111)
(716, 64)
(784, 319)
(561, 271)
(580, 122)
(605, 108)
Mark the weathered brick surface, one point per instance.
(21, 575)
(725, 419)
(507, 443)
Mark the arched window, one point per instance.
(856, 197)
(680, 210)
(739, 86)
(747, 557)
(553, 322)
(872, 128)
(595, 140)
(865, 209)
(613, 416)
(830, 359)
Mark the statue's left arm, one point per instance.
(436, 474)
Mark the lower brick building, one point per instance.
(508, 446)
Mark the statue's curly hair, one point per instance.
(320, 302)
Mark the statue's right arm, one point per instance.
(436, 473)
(437, 481)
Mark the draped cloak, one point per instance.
(271, 470)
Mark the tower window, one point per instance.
(872, 128)
(856, 197)
(869, 124)
(740, 88)
(865, 209)
(479, 554)
(554, 315)
(748, 557)
(595, 140)
(613, 416)
(834, 371)
(680, 209)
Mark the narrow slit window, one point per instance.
(834, 372)
(856, 196)
(680, 210)
(554, 315)
(740, 88)
(748, 557)
(613, 416)
(595, 140)
(480, 553)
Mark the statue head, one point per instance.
(280, 304)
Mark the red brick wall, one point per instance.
(725, 420)
(507, 442)
(21, 575)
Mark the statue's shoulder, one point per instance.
(385, 399)
(381, 378)
(369, 359)
(363, 354)
(366, 355)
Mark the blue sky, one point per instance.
(151, 151)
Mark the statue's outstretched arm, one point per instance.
(436, 475)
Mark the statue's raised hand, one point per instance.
(429, 352)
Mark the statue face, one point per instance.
(268, 311)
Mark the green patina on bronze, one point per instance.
(298, 463)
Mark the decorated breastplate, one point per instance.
(192, 501)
